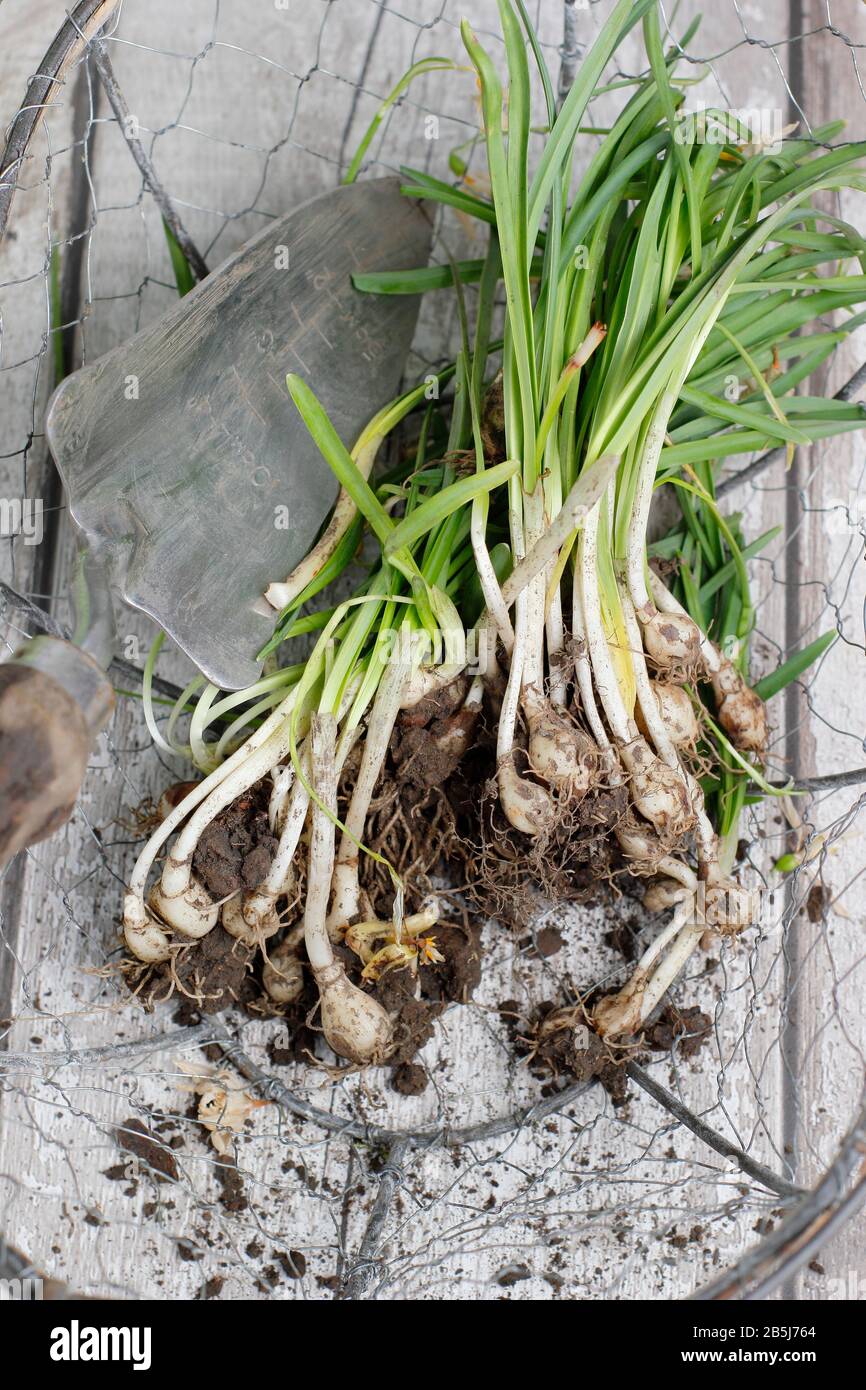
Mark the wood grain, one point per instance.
(596, 1201)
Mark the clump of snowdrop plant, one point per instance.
(633, 293)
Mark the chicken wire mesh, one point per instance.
(734, 1148)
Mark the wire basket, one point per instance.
(733, 1149)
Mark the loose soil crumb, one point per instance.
(187, 1251)
(817, 902)
(294, 1264)
(688, 1029)
(560, 1046)
(623, 938)
(207, 976)
(136, 1139)
(458, 976)
(548, 942)
(236, 849)
(427, 757)
(409, 1079)
(232, 1195)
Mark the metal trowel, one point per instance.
(187, 466)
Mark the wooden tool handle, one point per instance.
(54, 699)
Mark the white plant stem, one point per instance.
(496, 606)
(283, 778)
(647, 468)
(475, 694)
(583, 669)
(282, 595)
(645, 694)
(256, 915)
(322, 840)
(558, 686)
(386, 706)
(680, 872)
(355, 1025)
(584, 494)
(621, 1014)
(533, 661)
(707, 839)
(138, 924)
(533, 657)
(280, 872)
(669, 968)
(178, 866)
(252, 917)
(607, 688)
(511, 698)
(664, 938)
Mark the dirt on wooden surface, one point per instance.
(147, 1150)
(204, 976)
(562, 1048)
(434, 817)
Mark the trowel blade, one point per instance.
(185, 461)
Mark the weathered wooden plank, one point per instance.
(25, 377)
(598, 1202)
(827, 1038)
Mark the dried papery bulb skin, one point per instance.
(677, 713)
(345, 899)
(455, 736)
(527, 807)
(264, 925)
(493, 419)
(559, 1020)
(282, 778)
(639, 844)
(664, 893)
(671, 639)
(658, 792)
(729, 907)
(354, 1023)
(172, 797)
(563, 755)
(742, 712)
(192, 912)
(619, 1015)
(283, 974)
